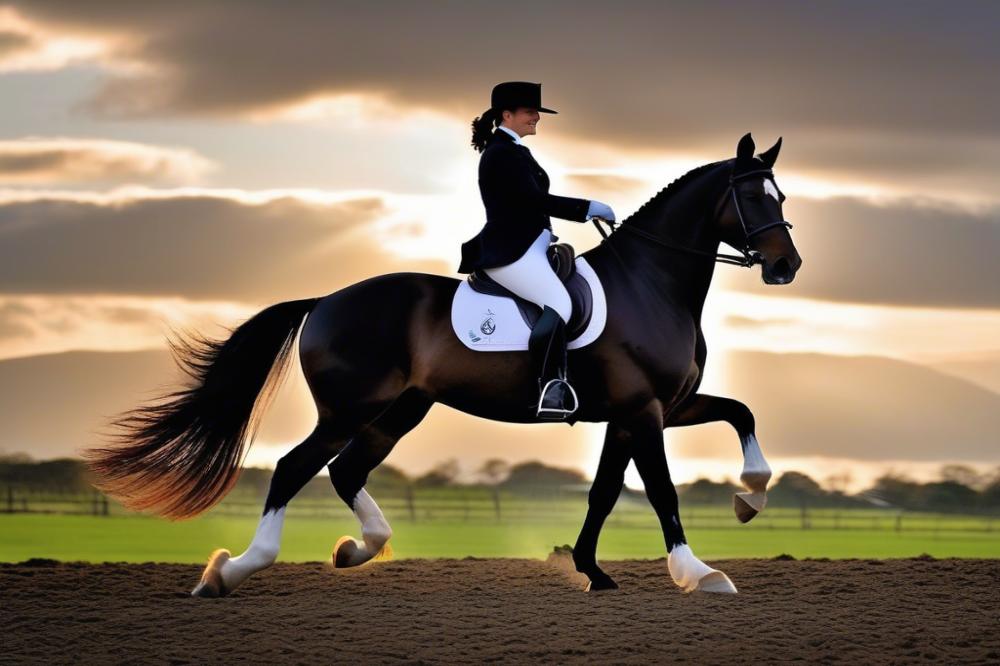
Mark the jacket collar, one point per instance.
(508, 133)
(500, 135)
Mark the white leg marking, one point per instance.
(756, 471)
(691, 574)
(375, 529)
(260, 554)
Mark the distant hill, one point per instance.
(863, 407)
(984, 372)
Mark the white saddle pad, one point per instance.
(484, 322)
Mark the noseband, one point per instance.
(750, 256)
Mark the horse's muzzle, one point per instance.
(781, 271)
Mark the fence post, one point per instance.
(10, 498)
(899, 521)
(496, 501)
(409, 503)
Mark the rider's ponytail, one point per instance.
(482, 128)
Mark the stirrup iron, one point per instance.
(554, 410)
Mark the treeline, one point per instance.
(960, 489)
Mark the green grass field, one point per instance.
(309, 538)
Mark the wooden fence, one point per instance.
(558, 507)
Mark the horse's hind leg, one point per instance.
(223, 573)
(349, 473)
(703, 408)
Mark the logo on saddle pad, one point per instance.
(505, 325)
(488, 326)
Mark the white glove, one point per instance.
(598, 209)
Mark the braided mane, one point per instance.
(667, 192)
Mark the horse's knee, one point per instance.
(740, 416)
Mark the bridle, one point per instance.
(749, 256)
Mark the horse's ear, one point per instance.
(744, 154)
(744, 150)
(771, 154)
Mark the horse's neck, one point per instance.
(664, 274)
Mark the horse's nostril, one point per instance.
(782, 268)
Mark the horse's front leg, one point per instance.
(702, 408)
(645, 434)
(607, 486)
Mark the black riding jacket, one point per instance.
(515, 191)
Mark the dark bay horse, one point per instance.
(379, 353)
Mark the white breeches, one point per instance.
(531, 277)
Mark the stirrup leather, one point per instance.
(554, 410)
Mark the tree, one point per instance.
(442, 474)
(964, 475)
(897, 490)
(797, 489)
(949, 496)
(990, 497)
(704, 491)
(838, 483)
(493, 472)
(537, 477)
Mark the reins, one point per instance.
(749, 256)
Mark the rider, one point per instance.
(511, 248)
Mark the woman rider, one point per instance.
(511, 248)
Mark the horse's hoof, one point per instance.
(349, 552)
(598, 583)
(346, 553)
(211, 585)
(748, 505)
(692, 575)
(716, 581)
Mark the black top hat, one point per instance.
(512, 94)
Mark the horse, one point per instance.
(377, 354)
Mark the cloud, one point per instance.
(894, 255)
(29, 46)
(197, 247)
(854, 89)
(66, 160)
(610, 184)
(36, 324)
(739, 321)
(14, 318)
(14, 42)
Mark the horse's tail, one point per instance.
(181, 456)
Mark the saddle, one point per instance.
(561, 257)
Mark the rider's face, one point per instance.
(522, 120)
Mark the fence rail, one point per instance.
(555, 508)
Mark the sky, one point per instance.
(189, 163)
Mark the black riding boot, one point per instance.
(547, 345)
